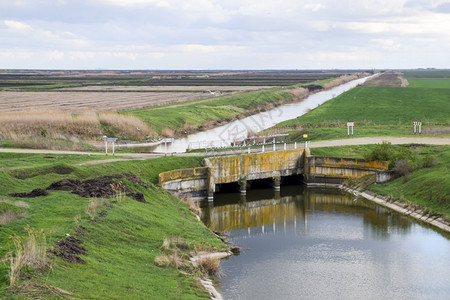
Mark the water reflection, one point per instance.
(307, 243)
(267, 211)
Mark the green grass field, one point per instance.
(8, 160)
(121, 245)
(378, 111)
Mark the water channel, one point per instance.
(238, 130)
(311, 243)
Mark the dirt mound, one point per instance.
(70, 248)
(101, 187)
(32, 194)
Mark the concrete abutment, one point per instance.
(271, 168)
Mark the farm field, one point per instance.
(157, 88)
(379, 110)
(100, 91)
(76, 102)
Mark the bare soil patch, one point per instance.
(101, 187)
(391, 79)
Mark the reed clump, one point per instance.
(29, 253)
(208, 265)
(91, 209)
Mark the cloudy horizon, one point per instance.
(232, 34)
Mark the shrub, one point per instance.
(381, 151)
(429, 161)
(402, 168)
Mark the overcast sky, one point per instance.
(225, 34)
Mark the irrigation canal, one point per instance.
(310, 243)
(238, 129)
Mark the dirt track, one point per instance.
(318, 144)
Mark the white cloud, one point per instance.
(16, 25)
(223, 34)
(55, 55)
(134, 3)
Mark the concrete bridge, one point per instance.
(271, 167)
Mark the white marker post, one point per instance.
(107, 139)
(350, 124)
(420, 127)
(167, 140)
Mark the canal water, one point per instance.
(238, 130)
(310, 243)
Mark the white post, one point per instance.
(295, 145)
(414, 128)
(263, 148)
(420, 128)
(348, 130)
(165, 147)
(274, 147)
(113, 148)
(248, 150)
(306, 144)
(284, 146)
(274, 140)
(106, 147)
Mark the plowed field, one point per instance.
(96, 101)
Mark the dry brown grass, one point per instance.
(17, 125)
(30, 251)
(299, 93)
(91, 209)
(41, 129)
(340, 80)
(208, 265)
(167, 132)
(8, 215)
(129, 126)
(119, 191)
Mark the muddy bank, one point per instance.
(402, 208)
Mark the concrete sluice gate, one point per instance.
(241, 172)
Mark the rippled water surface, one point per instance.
(308, 243)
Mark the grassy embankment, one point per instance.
(378, 111)
(426, 183)
(192, 117)
(122, 236)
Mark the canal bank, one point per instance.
(402, 207)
